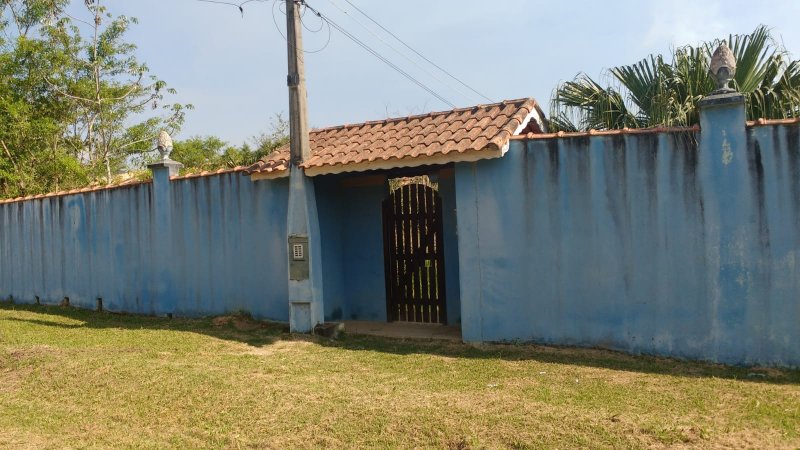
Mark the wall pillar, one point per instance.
(723, 158)
(162, 289)
(469, 252)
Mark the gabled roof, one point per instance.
(464, 134)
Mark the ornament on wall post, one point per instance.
(164, 145)
(723, 68)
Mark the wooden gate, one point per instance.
(414, 255)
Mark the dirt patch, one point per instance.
(21, 439)
(221, 321)
(278, 347)
(240, 322)
(22, 353)
(756, 373)
(755, 439)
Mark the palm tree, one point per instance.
(654, 92)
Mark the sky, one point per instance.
(232, 66)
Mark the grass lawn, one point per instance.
(74, 378)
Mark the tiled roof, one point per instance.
(125, 184)
(459, 134)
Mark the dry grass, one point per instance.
(71, 378)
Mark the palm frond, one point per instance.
(653, 92)
(753, 53)
(640, 79)
(598, 108)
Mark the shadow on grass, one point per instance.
(260, 334)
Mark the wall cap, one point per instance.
(733, 98)
(174, 167)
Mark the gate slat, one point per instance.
(409, 298)
(440, 277)
(424, 269)
(414, 262)
(412, 204)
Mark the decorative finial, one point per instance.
(723, 68)
(164, 145)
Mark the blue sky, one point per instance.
(233, 68)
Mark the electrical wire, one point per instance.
(322, 24)
(445, 83)
(418, 53)
(332, 23)
(238, 5)
(376, 54)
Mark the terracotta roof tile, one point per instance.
(477, 128)
(763, 122)
(614, 132)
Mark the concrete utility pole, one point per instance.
(302, 225)
(298, 112)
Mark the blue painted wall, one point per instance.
(351, 225)
(352, 246)
(447, 191)
(682, 244)
(204, 246)
(222, 249)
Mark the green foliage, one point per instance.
(199, 153)
(76, 107)
(275, 138)
(108, 88)
(211, 153)
(33, 158)
(655, 92)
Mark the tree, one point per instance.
(76, 106)
(275, 138)
(199, 153)
(211, 153)
(655, 92)
(107, 88)
(32, 155)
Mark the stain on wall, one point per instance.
(645, 243)
(224, 249)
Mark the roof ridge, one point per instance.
(422, 116)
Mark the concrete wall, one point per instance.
(352, 253)
(204, 246)
(683, 244)
(221, 249)
(351, 225)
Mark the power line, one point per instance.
(238, 5)
(349, 35)
(418, 53)
(468, 96)
(322, 25)
(377, 54)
